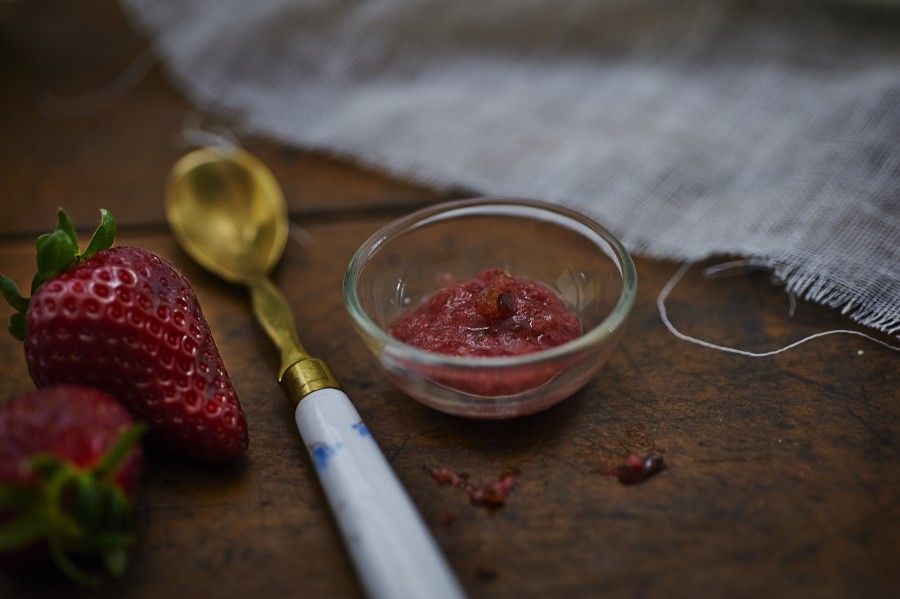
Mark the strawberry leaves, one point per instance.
(11, 294)
(103, 237)
(78, 512)
(56, 252)
(65, 224)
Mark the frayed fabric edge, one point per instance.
(819, 289)
(813, 287)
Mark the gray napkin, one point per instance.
(766, 129)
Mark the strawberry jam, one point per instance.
(494, 314)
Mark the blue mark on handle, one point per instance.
(362, 429)
(320, 454)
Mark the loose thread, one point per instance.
(736, 268)
(733, 268)
(299, 235)
(663, 315)
(90, 104)
(194, 133)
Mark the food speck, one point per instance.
(491, 495)
(445, 476)
(636, 469)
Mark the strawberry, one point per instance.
(126, 321)
(69, 467)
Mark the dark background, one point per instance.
(783, 471)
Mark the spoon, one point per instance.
(227, 212)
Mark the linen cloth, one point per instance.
(765, 129)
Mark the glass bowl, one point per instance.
(414, 256)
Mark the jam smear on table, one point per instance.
(491, 495)
(638, 468)
(448, 519)
(494, 314)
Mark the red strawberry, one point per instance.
(125, 321)
(69, 467)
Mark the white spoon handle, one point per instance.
(393, 551)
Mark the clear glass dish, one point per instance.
(416, 255)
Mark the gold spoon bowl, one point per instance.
(228, 213)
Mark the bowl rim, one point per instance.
(606, 328)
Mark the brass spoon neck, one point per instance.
(308, 375)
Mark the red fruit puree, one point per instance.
(494, 314)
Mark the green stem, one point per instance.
(118, 451)
(68, 566)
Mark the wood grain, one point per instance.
(123, 153)
(781, 471)
(782, 474)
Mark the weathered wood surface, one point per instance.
(783, 471)
(122, 153)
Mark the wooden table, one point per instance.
(783, 471)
